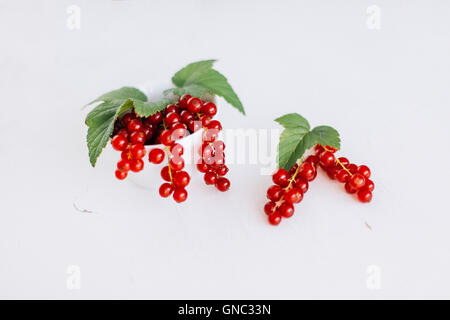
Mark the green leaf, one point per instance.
(216, 83)
(297, 137)
(145, 109)
(122, 94)
(102, 125)
(192, 89)
(189, 73)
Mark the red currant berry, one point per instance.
(194, 105)
(214, 124)
(344, 161)
(286, 210)
(202, 167)
(184, 100)
(210, 135)
(135, 125)
(181, 179)
(327, 158)
(274, 193)
(364, 195)
(123, 133)
(156, 156)
(156, 118)
(342, 176)
(302, 184)
(332, 172)
(349, 188)
(124, 165)
(209, 109)
(137, 165)
(314, 160)
(165, 190)
(186, 116)
(364, 170)
(307, 171)
(126, 119)
(369, 185)
(331, 149)
(121, 174)
(353, 168)
(137, 151)
(165, 173)
(180, 194)
(210, 178)
(318, 149)
(222, 171)
(274, 219)
(177, 149)
(148, 132)
(172, 118)
(176, 163)
(179, 133)
(222, 184)
(171, 108)
(269, 207)
(193, 125)
(119, 143)
(206, 120)
(293, 196)
(357, 181)
(219, 145)
(137, 137)
(293, 170)
(281, 177)
(166, 137)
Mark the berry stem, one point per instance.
(291, 180)
(168, 163)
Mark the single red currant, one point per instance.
(214, 124)
(172, 118)
(156, 118)
(165, 190)
(286, 210)
(124, 165)
(357, 181)
(222, 171)
(156, 156)
(137, 165)
(222, 184)
(353, 168)
(135, 125)
(314, 160)
(137, 137)
(332, 172)
(180, 194)
(119, 142)
(165, 173)
(364, 170)
(327, 158)
(318, 149)
(210, 135)
(270, 207)
(274, 193)
(193, 125)
(364, 195)
(274, 219)
(123, 133)
(344, 161)
(210, 178)
(126, 119)
(171, 108)
(342, 176)
(293, 196)
(209, 109)
(181, 179)
(184, 100)
(194, 105)
(137, 151)
(281, 177)
(349, 188)
(176, 163)
(369, 185)
(202, 166)
(302, 184)
(206, 120)
(307, 171)
(176, 149)
(121, 174)
(166, 137)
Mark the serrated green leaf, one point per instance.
(216, 83)
(101, 113)
(122, 94)
(145, 109)
(189, 73)
(297, 137)
(99, 132)
(192, 89)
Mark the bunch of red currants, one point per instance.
(290, 186)
(165, 127)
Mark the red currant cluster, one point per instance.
(289, 188)
(176, 121)
(212, 158)
(356, 178)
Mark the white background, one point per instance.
(386, 91)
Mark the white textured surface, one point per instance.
(386, 91)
